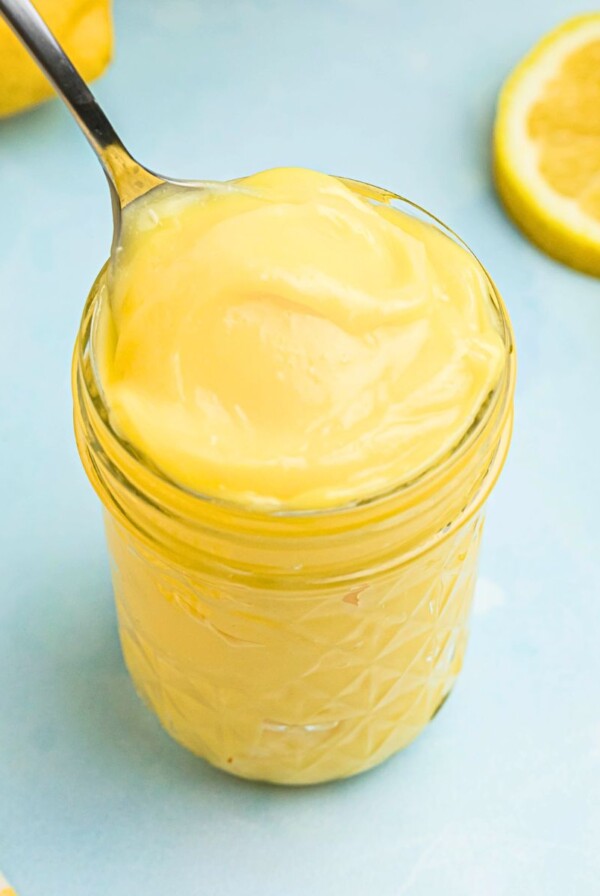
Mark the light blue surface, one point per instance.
(501, 795)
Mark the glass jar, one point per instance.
(293, 647)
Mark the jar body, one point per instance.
(321, 682)
(292, 647)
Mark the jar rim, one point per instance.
(501, 394)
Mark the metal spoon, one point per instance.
(127, 179)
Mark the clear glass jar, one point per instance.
(302, 646)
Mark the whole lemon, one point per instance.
(83, 27)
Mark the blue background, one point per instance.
(501, 795)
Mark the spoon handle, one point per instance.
(126, 177)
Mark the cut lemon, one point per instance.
(547, 143)
(83, 27)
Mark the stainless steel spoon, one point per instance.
(127, 179)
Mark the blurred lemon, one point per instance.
(83, 27)
(5, 889)
(547, 143)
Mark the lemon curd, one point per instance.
(293, 399)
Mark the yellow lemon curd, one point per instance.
(281, 341)
(273, 356)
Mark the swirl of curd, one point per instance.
(280, 341)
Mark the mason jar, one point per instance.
(293, 646)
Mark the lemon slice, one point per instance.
(547, 143)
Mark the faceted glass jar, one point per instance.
(298, 646)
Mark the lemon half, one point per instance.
(83, 27)
(547, 143)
